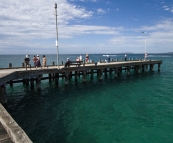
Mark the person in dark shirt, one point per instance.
(67, 63)
(26, 60)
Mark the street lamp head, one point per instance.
(144, 32)
(55, 5)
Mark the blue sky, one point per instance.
(86, 26)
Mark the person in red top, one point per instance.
(34, 60)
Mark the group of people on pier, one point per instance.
(36, 60)
(86, 58)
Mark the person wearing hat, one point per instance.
(44, 61)
(67, 63)
(26, 60)
(38, 64)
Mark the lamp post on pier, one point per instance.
(145, 55)
(57, 35)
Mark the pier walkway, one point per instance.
(10, 131)
(15, 75)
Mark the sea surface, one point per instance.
(129, 109)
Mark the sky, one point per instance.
(86, 26)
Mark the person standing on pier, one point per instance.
(44, 61)
(125, 57)
(67, 63)
(80, 58)
(38, 64)
(34, 60)
(26, 60)
(87, 58)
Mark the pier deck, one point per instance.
(4, 137)
(8, 74)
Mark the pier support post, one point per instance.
(38, 83)
(27, 82)
(50, 78)
(11, 83)
(152, 67)
(158, 67)
(143, 68)
(3, 94)
(146, 68)
(138, 69)
(56, 78)
(66, 78)
(128, 70)
(116, 72)
(110, 70)
(100, 74)
(75, 74)
(105, 70)
(32, 83)
(84, 76)
(91, 74)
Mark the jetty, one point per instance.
(32, 76)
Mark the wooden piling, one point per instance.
(56, 78)
(84, 76)
(38, 83)
(3, 94)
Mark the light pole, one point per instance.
(145, 55)
(57, 35)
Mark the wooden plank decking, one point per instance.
(4, 137)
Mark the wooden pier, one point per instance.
(29, 76)
(10, 131)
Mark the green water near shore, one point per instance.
(129, 109)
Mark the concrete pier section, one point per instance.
(10, 131)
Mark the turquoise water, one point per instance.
(129, 109)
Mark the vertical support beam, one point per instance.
(128, 70)
(56, 78)
(116, 72)
(143, 68)
(91, 74)
(146, 68)
(138, 68)
(70, 75)
(3, 94)
(38, 83)
(158, 67)
(75, 75)
(50, 78)
(53, 76)
(120, 69)
(100, 74)
(27, 81)
(66, 78)
(105, 70)
(97, 72)
(110, 70)
(32, 83)
(152, 67)
(11, 83)
(23, 81)
(84, 76)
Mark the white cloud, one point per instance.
(101, 11)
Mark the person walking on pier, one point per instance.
(80, 58)
(26, 60)
(38, 64)
(34, 60)
(44, 61)
(87, 58)
(125, 57)
(67, 63)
